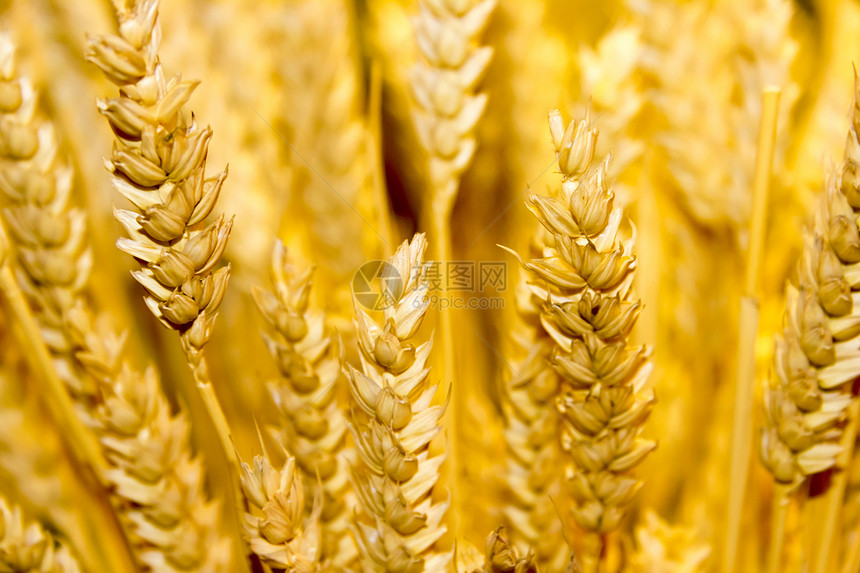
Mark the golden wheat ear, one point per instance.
(393, 423)
(580, 289)
(811, 411)
(27, 546)
(278, 529)
(313, 428)
(156, 483)
(158, 163)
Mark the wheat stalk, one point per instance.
(394, 424)
(276, 527)
(159, 164)
(585, 277)
(309, 359)
(26, 546)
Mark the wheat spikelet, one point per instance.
(394, 424)
(158, 163)
(277, 529)
(309, 359)
(26, 547)
(585, 277)
(815, 360)
(502, 557)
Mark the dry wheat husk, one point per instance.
(157, 484)
(393, 424)
(583, 286)
(444, 84)
(815, 359)
(500, 556)
(664, 548)
(159, 164)
(25, 546)
(277, 526)
(313, 428)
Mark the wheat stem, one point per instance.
(748, 327)
(852, 562)
(448, 366)
(781, 493)
(834, 498)
(200, 371)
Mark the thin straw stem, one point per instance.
(777, 533)
(748, 327)
(200, 370)
(836, 494)
(447, 364)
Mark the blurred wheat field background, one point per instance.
(429, 285)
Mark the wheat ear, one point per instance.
(815, 361)
(585, 278)
(26, 546)
(502, 557)
(275, 524)
(531, 436)
(322, 111)
(157, 485)
(53, 265)
(158, 163)
(309, 359)
(661, 546)
(394, 424)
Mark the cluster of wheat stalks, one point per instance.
(195, 378)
